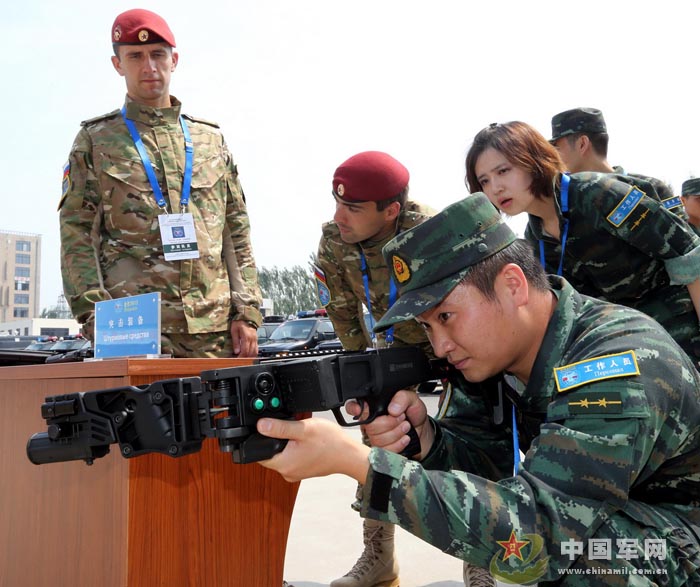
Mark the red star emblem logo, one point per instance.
(512, 546)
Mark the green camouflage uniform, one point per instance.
(609, 459)
(341, 264)
(664, 193)
(645, 261)
(110, 239)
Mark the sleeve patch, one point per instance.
(324, 293)
(596, 403)
(596, 369)
(671, 203)
(66, 179)
(625, 207)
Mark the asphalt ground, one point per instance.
(325, 537)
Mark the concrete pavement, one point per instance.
(325, 538)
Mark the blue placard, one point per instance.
(128, 326)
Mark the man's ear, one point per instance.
(583, 144)
(176, 58)
(116, 62)
(392, 211)
(512, 283)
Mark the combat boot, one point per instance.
(376, 566)
(476, 576)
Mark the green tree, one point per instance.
(290, 289)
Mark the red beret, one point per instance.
(141, 27)
(370, 177)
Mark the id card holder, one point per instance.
(178, 236)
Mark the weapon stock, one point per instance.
(174, 416)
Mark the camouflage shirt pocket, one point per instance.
(208, 194)
(130, 209)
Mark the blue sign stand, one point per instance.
(129, 326)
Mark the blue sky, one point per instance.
(300, 86)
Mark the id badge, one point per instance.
(178, 236)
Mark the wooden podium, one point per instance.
(198, 520)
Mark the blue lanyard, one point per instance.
(389, 336)
(516, 445)
(565, 179)
(148, 167)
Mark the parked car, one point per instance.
(15, 342)
(297, 335)
(265, 331)
(70, 344)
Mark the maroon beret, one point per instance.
(369, 177)
(141, 27)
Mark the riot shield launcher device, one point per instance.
(174, 416)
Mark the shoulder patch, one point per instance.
(101, 117)
(324, 293)
(625, 207)
(596, 369)
(65, 183)
(200, 120)
(671, 203)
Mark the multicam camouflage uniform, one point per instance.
(643, 257)
(613, 459)
(111, 245)
(341, 264)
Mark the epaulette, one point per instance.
(202, 120)
(111, 114)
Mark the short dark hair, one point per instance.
(401, 198)
(599, 141)
(524, 147)
(483, 275)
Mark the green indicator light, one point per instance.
(258, 405)
(275, 402)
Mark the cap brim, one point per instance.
(414, 303)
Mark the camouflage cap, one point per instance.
(691, 187)
(577, 120)
(430, 259)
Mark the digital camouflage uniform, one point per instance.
(663, 191)
(642, 257)
(111, 244)
(609, 459)
(341, 264)
(591, 122)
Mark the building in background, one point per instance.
(20, 268)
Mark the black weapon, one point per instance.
(174, 416)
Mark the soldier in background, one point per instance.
(598, 230)
(371, 207)
(690, 196)
(152, 203)
(581, 137)
(604, 404)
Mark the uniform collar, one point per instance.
(535, 222)
(539, 390)
(153, 116)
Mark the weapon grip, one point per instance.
(413, 447)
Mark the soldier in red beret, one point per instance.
(141, 213)
(371, 207)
